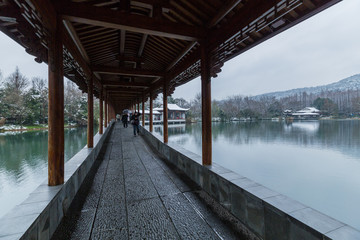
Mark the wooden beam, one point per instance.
(98, 16)
(150, 3)
(142, 45)
(124, 95)
(56, 106)
(206, 105)
(72, 32)
(125, 84)
(48, 13)
(130, 59)
(181, 55)
(251, 11)
(222, 12)
(123, 90)
(90, 124)
(122, 42)
(190, 60)
(126, 71)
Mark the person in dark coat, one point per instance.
(124, 119)
(135, 122)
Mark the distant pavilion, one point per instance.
(174, 112)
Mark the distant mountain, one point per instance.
(350, 83)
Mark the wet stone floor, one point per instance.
(131, 193)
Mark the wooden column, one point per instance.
(206, 105)
(110, 112)
(106, 110)
(151, 113)
(165, 111)
(138, 106)
(56, 107)
(101, 112)
(90, 105)
(113, 117)
(143, 110)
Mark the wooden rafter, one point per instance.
(98, 16)
(125, 84)
(251, 11)
(126, 72)
(181, 55)
(75, 38)
(122, 42)
(130, 59)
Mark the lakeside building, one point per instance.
(308, 113)
(176, 114)
(157, 116)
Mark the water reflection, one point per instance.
(308, 126)
(343, 136)
(23, 162)
(315, 162)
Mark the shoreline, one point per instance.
(34, 129)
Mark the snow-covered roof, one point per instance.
(309, 110)
(148, 112)
(172, 107)
(305, 114)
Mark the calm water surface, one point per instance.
(314, 162)
(23, 162)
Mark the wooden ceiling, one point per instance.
(130, 47)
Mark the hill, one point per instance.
(350, 83)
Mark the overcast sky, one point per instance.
(318, 51)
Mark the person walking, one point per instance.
(135, 122)
(124, 119)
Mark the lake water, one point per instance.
(23, 162)
(314, 162)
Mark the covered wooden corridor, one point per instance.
(131, 193)
(126, 52)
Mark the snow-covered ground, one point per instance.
(12, 127)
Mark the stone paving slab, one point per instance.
(130, 193)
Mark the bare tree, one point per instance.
(16, 81)
(14, 87)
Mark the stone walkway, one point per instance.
(132, 194)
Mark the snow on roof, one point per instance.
(305, 113)
(172, 107)
(148, 112)
(308, 110)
